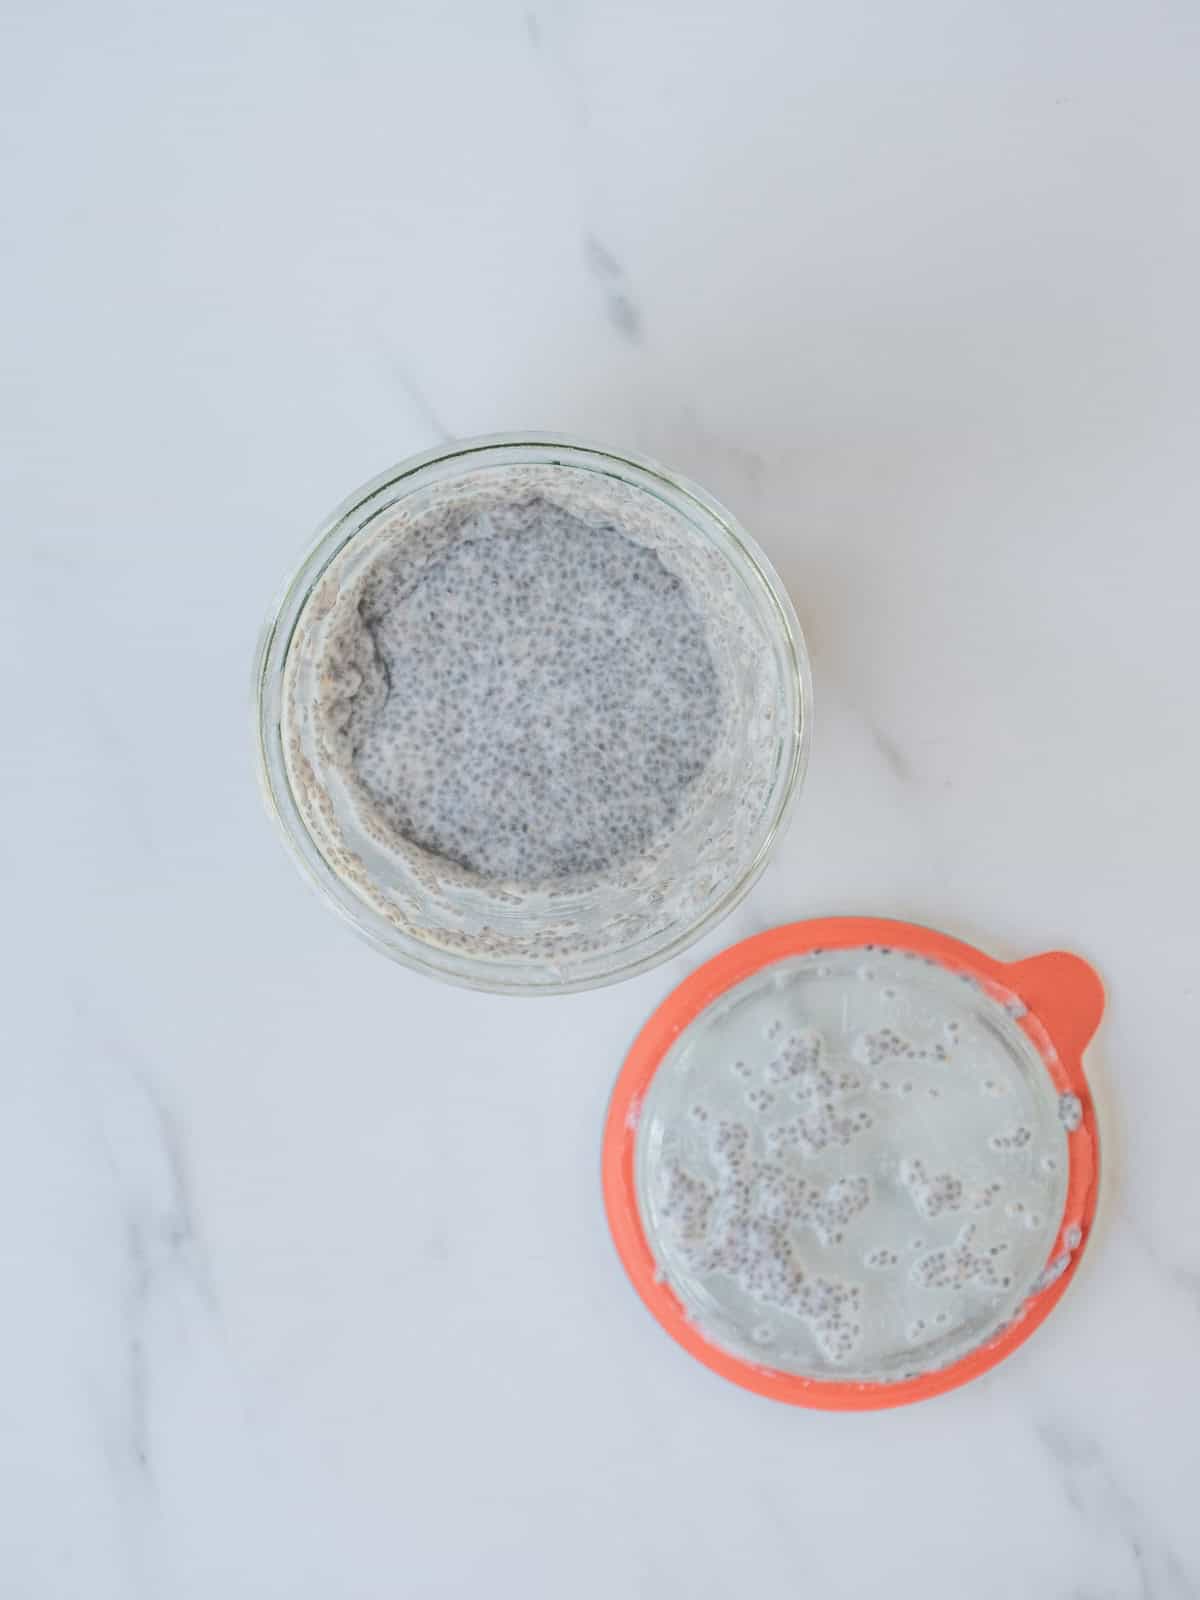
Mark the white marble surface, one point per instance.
(308, 1290)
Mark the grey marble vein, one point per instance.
(703, 444)
(601, 261)
(1099, 1496)
(623, 311)
(415, 394)
(1185, 1278)
(894, 758)
(137, 1369)
(162, 1249)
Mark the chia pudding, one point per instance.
(533, 716)
(533, 704)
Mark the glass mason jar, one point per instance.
(543, 938)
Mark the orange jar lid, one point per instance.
(853, 1163)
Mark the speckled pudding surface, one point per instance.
(532, 703)
(538, 715)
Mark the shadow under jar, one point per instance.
(531, 715)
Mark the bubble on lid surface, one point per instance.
(1053, 1272)
(1070, 1112)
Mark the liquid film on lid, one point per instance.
(852, 1166)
